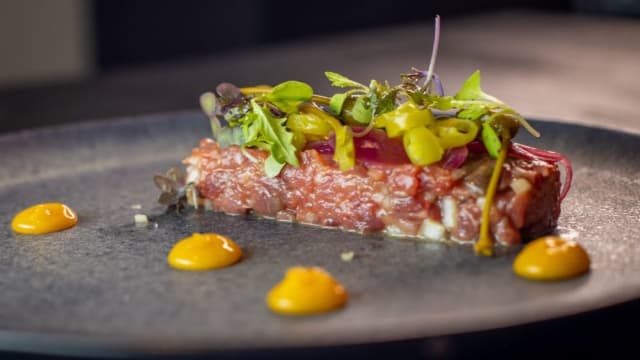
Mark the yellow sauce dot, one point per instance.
(306, 291)
(551, 258)
(204, 252)
(44, 218)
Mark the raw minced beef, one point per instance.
(430, 202)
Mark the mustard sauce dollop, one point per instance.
(305, 291)
(204, 252)
(44, 218)
(551, 258)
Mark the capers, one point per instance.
(505, 122)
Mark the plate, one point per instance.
(104, 286)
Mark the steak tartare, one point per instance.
(431, 202)
(406, 160)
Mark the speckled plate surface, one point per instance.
(104, 286)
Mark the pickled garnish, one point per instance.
(484, 245)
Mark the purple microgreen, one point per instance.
(173, 188)
(229, 93)
(438, 83)
(434, 53)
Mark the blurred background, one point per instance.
(67, 60)
(48, 41)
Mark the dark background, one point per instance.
(134, 48)
(139, 32)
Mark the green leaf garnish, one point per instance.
(362, 111)
(289, 94)
(251, 129)
(272, 167)
(443, 103)
(337, 102)
(471, 90)
(234, 115)
(230, 136)
(382, 97)
(490, 140)
(267, 132)
(342, 81)
(473, 112)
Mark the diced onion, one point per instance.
(393, 230)
(140, 219)
(449, 209)
(520, 185)
(432, 230)
(347, 256)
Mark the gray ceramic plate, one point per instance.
(105, 285)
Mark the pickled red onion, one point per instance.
(454, 158)
(529, 153)
(374, 148)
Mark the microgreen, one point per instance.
(443, 103)
(264, 131)
(434, 53)
(173, 188)
(289, 94)
(257, 115)
(362, 111)
(471, 90)
(229, 94)
(473, 112)
(471, 94)
(490, 140)
(382, 97)
(342, 81)
(225, 136)
(209, 104)
(337, 102)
